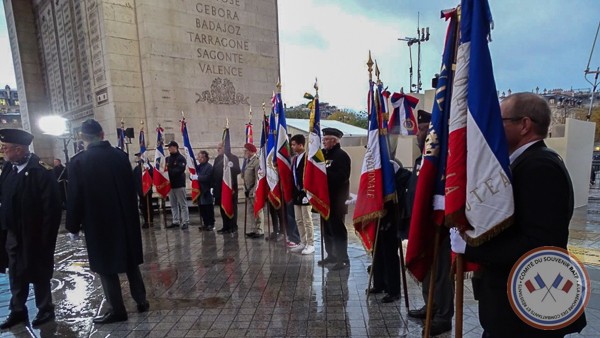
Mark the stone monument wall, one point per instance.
(147, 60)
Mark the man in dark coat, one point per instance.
(335, 234)
(102, 202)
(30, 211)
(543, 197)
(229, 224)
(176, 165)
(60, 172)
(145, 201)
(386, 262)
(206, 200)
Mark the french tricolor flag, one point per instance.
(479, 194)
(536, 284)
(562, 284)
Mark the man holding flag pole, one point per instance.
(225, 187)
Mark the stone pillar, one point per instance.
(28, 71)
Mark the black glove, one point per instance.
(247, 193)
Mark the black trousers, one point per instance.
(335, 237)
(386, 263)
(443, 295)
(19, 285)
(112, 289)
(230, 223)
(207, 212)
(145, 204)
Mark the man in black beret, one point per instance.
(335, 234)
(30, 212)
(111, 225)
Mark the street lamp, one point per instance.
(56, 125)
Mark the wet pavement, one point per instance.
(203, 284)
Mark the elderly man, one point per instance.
(30, 211)
(229, 224)
(543, 197)
(335, 234)
(250, 175)
(176, 165)
(111, 225)
(206, 201)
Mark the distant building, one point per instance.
(353, 136)
(10, 116)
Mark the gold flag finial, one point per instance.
(264, 108)
(278, 86)
(316, 86)
(122, 124)
(377, 72)
(227, 122)
(370, 67)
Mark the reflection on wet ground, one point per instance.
(203, 284)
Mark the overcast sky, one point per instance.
(543, 43)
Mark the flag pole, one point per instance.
(283, 224)
(149, 193)
(264, 134)
(373, 264)
(432, 277)
(460, 267)
(396, 210)
(244, 166)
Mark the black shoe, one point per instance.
(328, 260)
(43, 317)
(13, 319)
(419, 313)
(233, 231)
(271, 237)
(172, 225)
(223, 231)
(390, 298)
(340, 266)
(143, 307)
(145, 226)
(209, 228)
(110, 317)
(184, 226)
(374, 291)
(438, 327)
(250, 234)
(258, 236)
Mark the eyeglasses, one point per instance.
(515, 119)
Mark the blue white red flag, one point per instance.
(369, 198)
(227, 183)
(272, 174)
(284, 159)
(146, 177)
(387, 169)
(478, 166)
(428, 207)
(262, 187)
(403, 120)
(190, 161)
(315, 172)
(161, 176)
